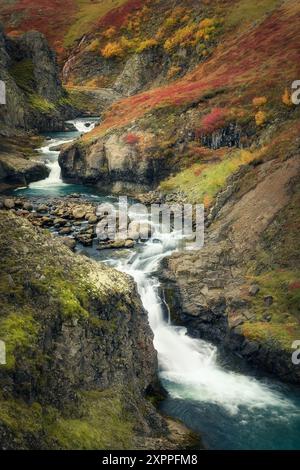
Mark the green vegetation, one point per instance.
(40, 103)
(19, 330)
(23, 74)
(99, 423)
(96, 421)
(249, 11)
(201, 182)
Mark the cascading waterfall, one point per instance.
(54, 178)
(190, 363)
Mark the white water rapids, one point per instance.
(191, 364)
(54, 178)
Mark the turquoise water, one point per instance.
(231, 410)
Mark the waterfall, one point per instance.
(188, 365)
(51, 156)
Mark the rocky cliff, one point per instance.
(241, 290)
(79, 352)
(35, 102)
(35, 99)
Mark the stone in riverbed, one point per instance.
(65, 231)
(9, 203)
(93, 219)
(27, 206)
(58, 222)
(78, 213)
(42, 208)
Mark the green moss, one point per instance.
(96, 421)
(99, 423)
(19, 331)
(41, 104)
(19, 417)
(23, 74)
(284, 327)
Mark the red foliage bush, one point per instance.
(131, 139)
(213, 121)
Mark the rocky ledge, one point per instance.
(241, 291)
(80, 359)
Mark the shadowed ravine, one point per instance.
(231, 410)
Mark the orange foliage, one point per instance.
(112, 49)
(286, 98)
(259, 101)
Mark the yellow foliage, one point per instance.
(173, 71)
(207, 23)
(260, 118)
(286, 98)
(259, 101)
(109, 33)
(112, 49)
(192, 33)
(147, 44)
(181, 37)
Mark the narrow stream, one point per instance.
(231, 410)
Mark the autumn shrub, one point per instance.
(112, 49)
(181, 37)
(173, 71)
(147, 44)
(131, 139)
(109, 33)
(259, 101)
(260, 118)
(286, 98)
(213, 121)
(192, 34)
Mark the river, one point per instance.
(231, 410)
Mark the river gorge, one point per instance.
(230, 405)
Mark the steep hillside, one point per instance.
(219, 104)
(79, 354)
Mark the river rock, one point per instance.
(58, 222)
(78, 213)
(42, 208)
(28, 206)
(93, 219)
(9, 203)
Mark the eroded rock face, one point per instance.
(212, 291)
(140, 71)
(83, 333)
(16, 170)
(120, 157)
(34, 94)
